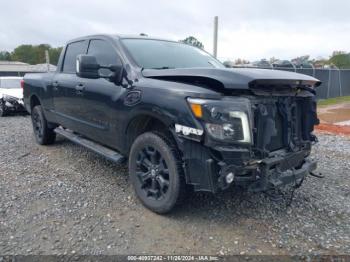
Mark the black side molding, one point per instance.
(93, 146)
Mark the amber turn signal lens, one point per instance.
(197, 110)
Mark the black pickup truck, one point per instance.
(181, 119)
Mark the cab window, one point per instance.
(72, 51)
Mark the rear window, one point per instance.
(72, 50)
(10, 83)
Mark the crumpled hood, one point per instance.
(14, 92)
(237, 78)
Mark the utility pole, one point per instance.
(47, 58)
(215, 49)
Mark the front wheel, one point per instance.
(43, 134)
(156, 172)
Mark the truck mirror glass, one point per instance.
(87, 67)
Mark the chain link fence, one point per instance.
(335, 82)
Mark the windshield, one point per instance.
(159, 54)
(10, 83)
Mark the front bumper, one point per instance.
(206, 173)
(275, 178)
(270, 173)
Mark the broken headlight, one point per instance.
(226, 119)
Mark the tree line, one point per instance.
(35, 54)
(32, 54)
(341, 59)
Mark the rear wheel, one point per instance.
(43, 134)
(2, 108)
(156, 172)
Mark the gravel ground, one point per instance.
(63, 199)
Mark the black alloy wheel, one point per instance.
(153, 173)
(156, 172)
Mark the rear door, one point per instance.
(66, 96)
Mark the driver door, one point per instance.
(99, 98)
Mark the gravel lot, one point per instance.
(63, 199)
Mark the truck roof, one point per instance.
(119, 36)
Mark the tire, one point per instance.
(155, 169)
(43, 134)
(2, 108)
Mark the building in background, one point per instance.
(11, 68)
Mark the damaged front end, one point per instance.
(259, 140)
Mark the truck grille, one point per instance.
(276, 142)
(282, 123)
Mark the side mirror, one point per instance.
(117, 73)
(87, 67)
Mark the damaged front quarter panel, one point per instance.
(281, 113)
(281, 129)
(203, 152)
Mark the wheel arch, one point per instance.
(146, 122)
(34, 101)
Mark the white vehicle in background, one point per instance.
(11, 95)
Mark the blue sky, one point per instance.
(250, 29)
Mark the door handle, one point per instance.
(55, 85)
(80, 89)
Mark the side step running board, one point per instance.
(93, 146)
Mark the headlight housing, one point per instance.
(224, 120)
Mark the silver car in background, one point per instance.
(11, 95)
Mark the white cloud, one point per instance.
(247, 29)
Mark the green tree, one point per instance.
(338, 52)
(191, 40)
(39, 52)
(30, 54)
(23, 53)
(319, 62)
(54, 54)
(301, 59)
(341, 60)
(35, 54)
(5, 56)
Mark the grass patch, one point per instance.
(333, 101)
